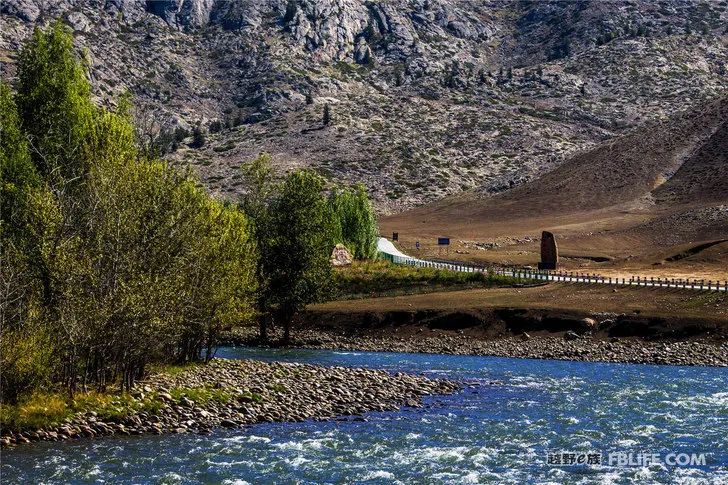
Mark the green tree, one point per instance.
(260, 190)
(25, 347)
(356, 223)
(111, 260)
(30, 222)
(17, 172)
(220, 277)
(59, 121)
(295, 229)
(54, 102)
(301, 241)
(170, 266)
(291, 9)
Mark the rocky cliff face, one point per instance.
(428, 97)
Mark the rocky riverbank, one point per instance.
(236, 393)
(569, 346)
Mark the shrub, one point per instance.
(198, 137)
(26, 361)
(327, 114)
(35, 411)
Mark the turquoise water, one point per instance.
(488, 433)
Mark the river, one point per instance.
(500, 429)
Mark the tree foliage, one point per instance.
(261, 190)
(54, 103)
(295, 231)
(110, 259)
(16, 168)
(296, 228)
(356, 222)
(301, 240)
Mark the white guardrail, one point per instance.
(388, 251)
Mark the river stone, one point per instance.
(288, 392)
(570, 335)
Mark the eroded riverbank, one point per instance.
(236, 393)
(474, 322)
(564, 345)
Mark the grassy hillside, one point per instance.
(635, 203)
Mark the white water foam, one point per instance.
(310, 444)
(247, 439)
(378, 475)
(297, 461)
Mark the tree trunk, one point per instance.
(287, 331)
(46, 282)
(263, 324)
(286, 316)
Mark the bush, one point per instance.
(198, 137)
(26, 361)
(216, 126)
(367, 278)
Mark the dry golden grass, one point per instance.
(585, 298)
(637, 201)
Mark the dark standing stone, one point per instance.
(549, 251)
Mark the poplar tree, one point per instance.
(356, 225)
(54, 103)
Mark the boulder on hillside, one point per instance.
(79, 22)
(341, 256)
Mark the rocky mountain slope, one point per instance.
(427, 97)
(652, 201)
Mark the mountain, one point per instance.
(655, 197)
(428, 98)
